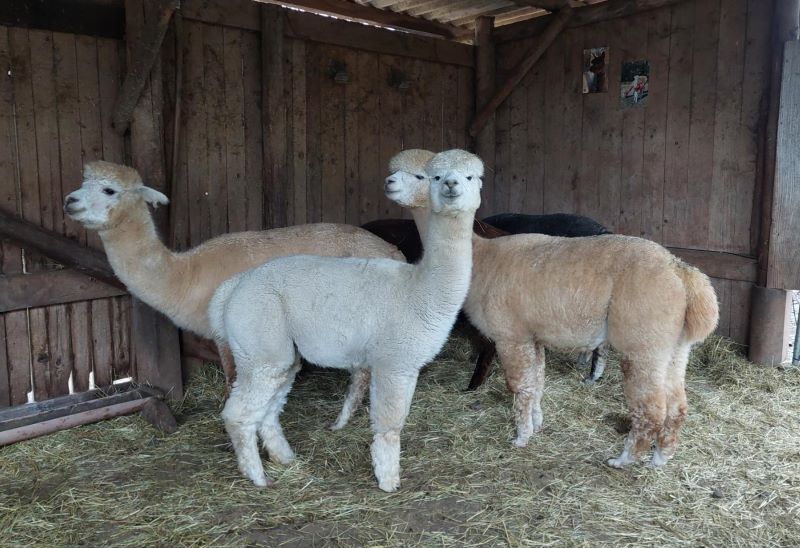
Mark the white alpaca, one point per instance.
(113, 200)
(388, 316)
(529, 291)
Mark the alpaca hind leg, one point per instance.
(356, 390)
(390, 400)
(667, 441)
(243, 412)
(270, 431)
(598, 364)
(523, 365)
(643, 385)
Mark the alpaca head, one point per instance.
(108, 190)
(455, 181)
(408, 183)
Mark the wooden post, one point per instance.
(769, 310)
(156, 346)
(274, 114)
(525, 65)
(140, 62)
(484, 88)
(785, 27)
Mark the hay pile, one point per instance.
(736, 479)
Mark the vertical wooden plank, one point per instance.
(485, 74)
(121, 337)
(195, 136)
(18, 348)
(235, 166)
(651, 216)
(502, 174)
(413, 104)
(81, 335)
(740, 311)
(215, 193)
(434, 111)
(154, 338)
(299, 126)
(633, 201)
(573, 119)
(755, 93)
(466, 105)
(332, 138)
(726, 170)
(5, 388)
(535, 83)
(351, 138)
(676, 188)
(274, 114)
(102, 347)
(555, 188)
(110, 67)
(703, 101)
(784, 254)
(608, 162)
(391, 126)
(69, 135)
(313, 144)
(452, 135)
(517, 173)
(370, 171)
(593, 147)
(253, 129)
(40, 352)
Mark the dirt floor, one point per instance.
(735, 480)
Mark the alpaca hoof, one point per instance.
(659, 459)
(389, 485)
(520, 442)
(282, 458)
(619, 462)
(590, 381)
(263, 482)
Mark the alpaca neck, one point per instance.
(446, 264)
(139, 258)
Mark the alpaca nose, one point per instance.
(70, 200)
(451, 183)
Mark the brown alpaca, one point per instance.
(531, 291)
(113, 200)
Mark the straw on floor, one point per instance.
(735, 480)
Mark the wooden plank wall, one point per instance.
(681, 170)
(56, 95)
(339, 136)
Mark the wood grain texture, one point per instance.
(44, 288)
(784, 253)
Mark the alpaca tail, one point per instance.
(702, 309)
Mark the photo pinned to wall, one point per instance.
(595, 61)
(635, 83)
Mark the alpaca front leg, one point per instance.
(390, 400)
(598, 364)
(524, 368)
(356, 390)
(242, 414)
(270, 431)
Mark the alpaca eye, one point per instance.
(109, 191)
(437, 177)
(469, 178)
(420, 177)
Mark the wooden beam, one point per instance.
(726, 266)
(549, 5)
(367, 14)
(140, 62)
(485, 76)
(305, 26)
(155, 339)
(555, 27)
(88, 17)
(587, 15)
(57, 247)
(47, 288)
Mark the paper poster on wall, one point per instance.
(635, 83)
(595, 61)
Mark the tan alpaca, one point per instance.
(529, 291)
(113, 200)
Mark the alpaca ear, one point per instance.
(152, 196)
